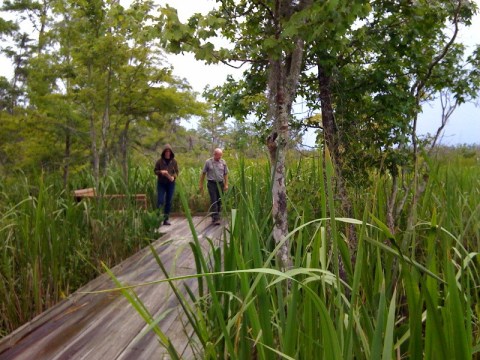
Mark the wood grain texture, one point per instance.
(115, 201)
(105, 326)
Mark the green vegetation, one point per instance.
(366, 249)
(410, 294)
(50, 245)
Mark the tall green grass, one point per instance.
(50, 245)
(412, 294)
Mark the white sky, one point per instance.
(198, 74)
(463, 127)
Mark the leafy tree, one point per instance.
(37, 12)
(19, 55)
(245, 138)
(7, 27)
(368, 68)
(272, 36)
(400, 58)
(98, 85)
(213, 130)
(5, 94)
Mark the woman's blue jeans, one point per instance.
(165, 195)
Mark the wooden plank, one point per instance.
(105, 326)
(123, 268)
(116, 339)
(85, 192)
(118, 200)
(148, 346)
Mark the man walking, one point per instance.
(216, 171)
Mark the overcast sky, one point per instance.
(464, 125)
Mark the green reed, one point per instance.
(409, 294)
(50, 245)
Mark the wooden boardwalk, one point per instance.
(105, 326)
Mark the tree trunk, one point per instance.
(190, 143)
(66, 159)
(447, 110)
(391, 202)
(94, 150)
(93, 138)
(332, 142)
(417, 90)
(284, 72)
(124, 151)
(330, 130)
(43, 24)
(18, 62)
(276, 143)
(106, 125)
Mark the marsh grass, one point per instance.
(409, 294)
(50, 245)
(412, 294)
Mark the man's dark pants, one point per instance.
(215, 190)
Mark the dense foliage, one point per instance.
(412, 294)
(90, 85)
(382, 260)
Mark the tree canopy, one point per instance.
(90, 84)
(375, 68)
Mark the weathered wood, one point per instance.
(114, 200)
(104, 325)
(82, 193)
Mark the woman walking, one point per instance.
(166, 169)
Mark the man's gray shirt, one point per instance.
(215, 170)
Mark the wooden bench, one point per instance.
(116, 199)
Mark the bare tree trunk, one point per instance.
(417, 185)
(66, 159)
(284, 73)
(106, 125)
(332, 142)
(124, 151)
(447, 111)
(94, 150)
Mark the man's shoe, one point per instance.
(166, 222)
(217, 222)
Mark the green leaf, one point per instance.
(456, 318)
(389, 330)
